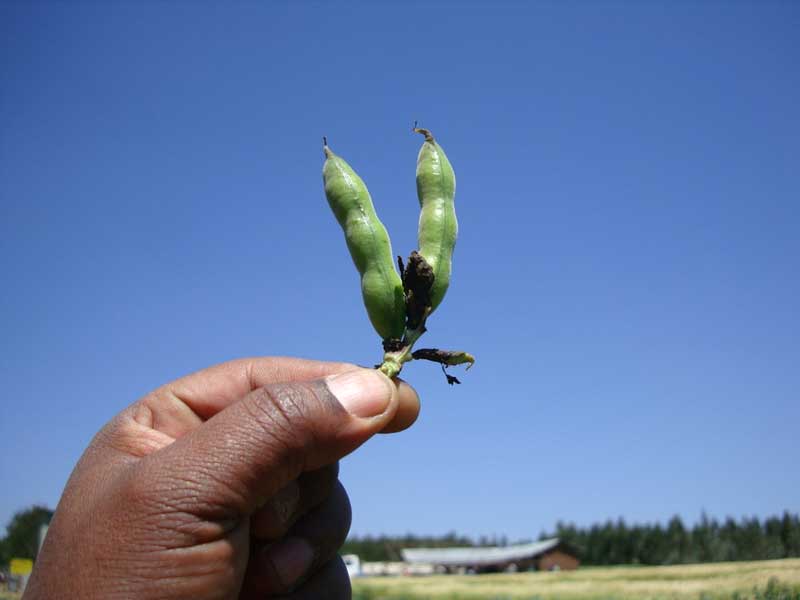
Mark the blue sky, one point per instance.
(626, 272)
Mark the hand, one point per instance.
(222, 484)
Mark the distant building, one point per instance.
(394, 569)
(353, 564)
(546, 555)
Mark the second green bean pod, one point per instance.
(438, 227)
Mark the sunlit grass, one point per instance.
(709, 581)
(719, 581)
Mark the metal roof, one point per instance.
(477, 556)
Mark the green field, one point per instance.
(740, 580)
(718, 581)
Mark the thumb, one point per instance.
(244, 454)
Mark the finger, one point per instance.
(279, 567)
(242, 456)
(208, 391)
(294, 500)
(181, 406)
(407, 408)
(325, 528)
(331, 582)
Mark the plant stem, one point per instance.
(393, 361)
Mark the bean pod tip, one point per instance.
(325, 148)
(428, 135)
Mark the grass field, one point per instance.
(720, 581)
(741, 580)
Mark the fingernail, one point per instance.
(291, 559)
(363, 393)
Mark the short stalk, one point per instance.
(393, 361)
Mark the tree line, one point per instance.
(616, 542)
(709, 540)
(609, 543)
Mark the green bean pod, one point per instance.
(369, 245)
(438, 227)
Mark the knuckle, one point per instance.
(278, 411)
(285, 414)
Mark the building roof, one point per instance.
(478, 556)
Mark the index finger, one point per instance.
(182, 405)
(210, 390)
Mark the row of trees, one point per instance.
(616, 542)
(708, 540)
(610, 543)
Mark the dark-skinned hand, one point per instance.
(220, 485)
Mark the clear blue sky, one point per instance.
(626, 274)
